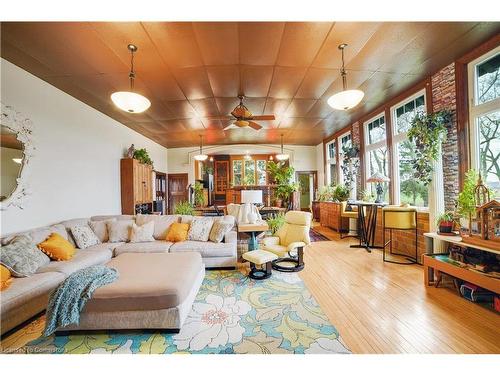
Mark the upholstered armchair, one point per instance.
(289, 242)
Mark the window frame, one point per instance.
(478, 110)
(328, 159)
(369, 147)
(340, 154)
(397, 138)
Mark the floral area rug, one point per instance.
(232, 314)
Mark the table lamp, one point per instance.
(378, 178)
(249, 198)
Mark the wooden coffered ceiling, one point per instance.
(193, 72)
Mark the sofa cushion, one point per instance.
(57, 248)
(83, 258)
(200, 228)
(142, 233)
(178, 232)
(100, 228)
(68, 224)
(155, 282)
(22, 257)
(24, 290)
(5, 277)
(162, 223)
(116, 217)
(206, 249)
(119, 231)
(39, 234)
(220, 228)
(84, 236)
(144, 247)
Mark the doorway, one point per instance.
(177, 190)
(308, 181)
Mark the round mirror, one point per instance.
(12, 154)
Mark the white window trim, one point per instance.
(398, 138)
(374, 146)
(327, 160)
(476, 111)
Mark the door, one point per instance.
(177, 190)
(308, 185)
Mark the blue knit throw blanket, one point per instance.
(67, 301)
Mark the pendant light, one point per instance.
(130, 101)
(346, 99)
(282, 156)
(201, 156)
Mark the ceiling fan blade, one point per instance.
(263, 117)
(254, 125)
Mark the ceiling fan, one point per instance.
(244, 118)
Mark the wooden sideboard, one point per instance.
(329, 216)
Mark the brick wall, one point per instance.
(444, 97)
(356, 140)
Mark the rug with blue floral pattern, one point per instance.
(232, 314)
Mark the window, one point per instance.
(484, 111)
(376, 153)
(237, 172)
(261, 172)
(249, 173)
(407, 189)
(331, 163)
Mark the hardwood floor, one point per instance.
(385, 308)
(380, 307)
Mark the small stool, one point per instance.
(262, 258)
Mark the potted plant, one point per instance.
(199, 198)
(341, 193)
(325, 193)
(465, 203)
(184, 208)
(282, 175)
(445, 222)
(143, 156)
(276, 222)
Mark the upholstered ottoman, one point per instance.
(153, 291)
(261, 258)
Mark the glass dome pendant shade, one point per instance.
(201, 156)
(130, 101)
(346, 99)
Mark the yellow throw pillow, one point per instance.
(5, 277)
(57, 247)
(177, 232)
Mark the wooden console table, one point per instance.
(438, 262)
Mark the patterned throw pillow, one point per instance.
(219, 230)
(100, 228)
(21, 256)
(143, 233)
(200, 229)
(84, 236)
(119, 231)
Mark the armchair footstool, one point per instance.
(261, 258)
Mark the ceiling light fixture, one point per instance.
(130, 101)
(346, 99)
(201, 156)
(282, 156)
(17, 160)
(247, 156)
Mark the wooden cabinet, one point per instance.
(329, 213)
(221, 176)
(136, 184)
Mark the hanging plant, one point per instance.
(427, 132)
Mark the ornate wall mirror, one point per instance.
(16, 151)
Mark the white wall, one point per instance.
(320, 163)
(303, 158)
(76, 168)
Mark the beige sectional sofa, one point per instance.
(28, 296)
